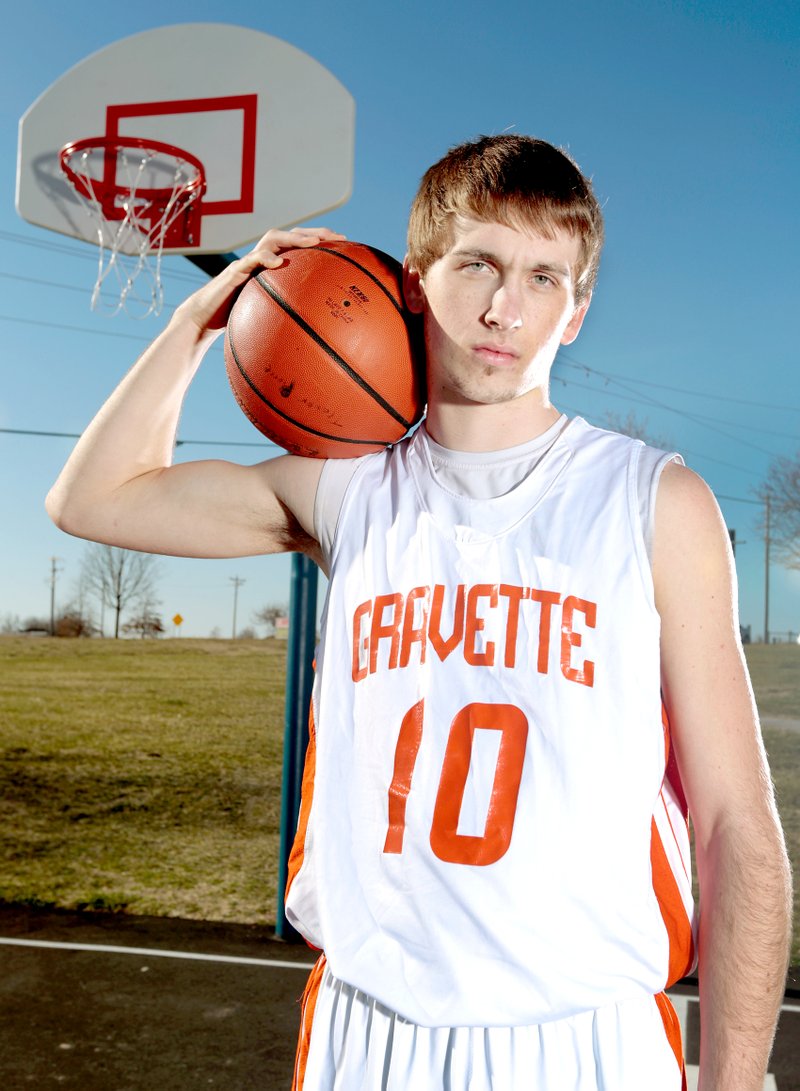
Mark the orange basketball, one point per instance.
(322, 354)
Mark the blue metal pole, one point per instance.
(299, 677)
(299, 681)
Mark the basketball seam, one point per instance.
(285, 416)
(366, 272)
(331, 352)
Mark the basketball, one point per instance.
(322, 354)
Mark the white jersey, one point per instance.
(489, 833)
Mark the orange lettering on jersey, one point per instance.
(441, 646)
(479, 623)
(475, 625)
(405, 758)
(570, 639)
(447, 843)
(515, 595)
(548, 600)
(379, 630)
(360, 642)
(415, 634)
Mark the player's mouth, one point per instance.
(496, 354)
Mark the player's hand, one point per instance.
(209, 307)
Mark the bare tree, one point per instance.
(119, 577)
(635, 428)
(35, 625)
(268, 616)
(81, 603)
(782, 487)
(145, 623)
(72, 622)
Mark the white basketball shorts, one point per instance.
(350, 1042)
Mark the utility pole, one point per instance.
(237, 583)
(767, 500)
(54, 570)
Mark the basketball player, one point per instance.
(493, 849)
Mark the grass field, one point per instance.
(145, 775)
(142, 775)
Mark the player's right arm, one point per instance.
(120, 486)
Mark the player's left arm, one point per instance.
(743, 870)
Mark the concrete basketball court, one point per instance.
(106, 1002)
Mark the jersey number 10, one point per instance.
(446, 842)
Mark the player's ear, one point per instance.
(412, 289)
(573, 327)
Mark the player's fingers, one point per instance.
(211, 304)
(268, 249)
(318, 232)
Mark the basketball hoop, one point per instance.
(143, 197)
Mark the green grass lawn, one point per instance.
(146, 775)
(142, 775)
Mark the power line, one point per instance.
(178, 442)
(568, 358)
(570, 361)
(32, 432)
(86, 252)
(81, 288)
(74, 329)
(275, 446)
(684, 450)
(45, 244)
(645, 399)
(747, 427)
(739, 499)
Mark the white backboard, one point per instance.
(272, 127)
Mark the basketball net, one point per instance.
(142, 197)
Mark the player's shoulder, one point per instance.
(690, 535)
(682, 491)
(288, 472)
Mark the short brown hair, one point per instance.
(514, 180)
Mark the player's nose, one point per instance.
(505, 312)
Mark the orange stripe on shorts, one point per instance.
(308, 1004)
(672, 1029)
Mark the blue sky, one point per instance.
(685, 115)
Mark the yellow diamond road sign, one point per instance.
(177, 620)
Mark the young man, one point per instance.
(493, 846)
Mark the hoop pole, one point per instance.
(299, 679)
(212, 264)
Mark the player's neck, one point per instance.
(489, 427)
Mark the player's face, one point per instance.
(497, 305)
